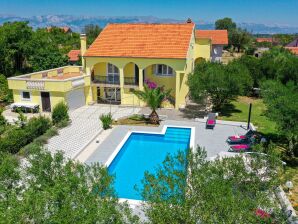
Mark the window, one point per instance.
(113, 74)
(112, 69)
(163, 70)
(25, 96)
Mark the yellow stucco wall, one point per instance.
(100, 69)
(169, 82)
(129, 70)
(202, 49)
(129, 98)
(55, 97)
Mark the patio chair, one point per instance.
(237, 139)
(211, 120)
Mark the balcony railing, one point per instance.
(114, 80)
(130, 81)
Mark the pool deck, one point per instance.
(214, 141)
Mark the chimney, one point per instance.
(83, 38)
(189, 20)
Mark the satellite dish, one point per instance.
(215, 51)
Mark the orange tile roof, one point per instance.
(216, 36)
(264, 39)
(143, 41)
(73, 55)
(65, 29)
(294, 50)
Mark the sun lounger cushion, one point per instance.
(211, 122)
(240, 147)
(236, 137)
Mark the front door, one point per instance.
(45, 101)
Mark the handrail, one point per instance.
(115, 80)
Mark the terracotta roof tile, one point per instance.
(143, 40)
(73, 55)
(264, 39)
(294, 50)
(216, 36)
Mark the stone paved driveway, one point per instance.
(84, 127)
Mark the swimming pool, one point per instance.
(143, 152)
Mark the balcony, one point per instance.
(114, 81)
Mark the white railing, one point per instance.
(39, 85)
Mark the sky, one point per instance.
(270, 12)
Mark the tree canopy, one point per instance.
(282, 107)
(92, 31)
(225, 24)
(219, 82)
(191, 189)
(23, 49)
(51, 189)
(238, 38)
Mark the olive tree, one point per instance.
(219, 82)
(51, 189)
(188, 188)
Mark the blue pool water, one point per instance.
(143, 152)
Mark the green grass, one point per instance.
(291, 173)
(238, 109)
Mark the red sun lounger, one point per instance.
(239, 148)
(211, 121)
(240, 139)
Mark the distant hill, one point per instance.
(78, 22)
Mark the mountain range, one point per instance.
(77, 23)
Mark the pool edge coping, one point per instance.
(134, 202)
(163, 131)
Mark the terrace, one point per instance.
(62, 79)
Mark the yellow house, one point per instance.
(122, 58)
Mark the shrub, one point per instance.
(38, 126)
(60, 113)
(62, 124)
(41, 140)
(106, 120)
(3, 121)
(137, 117)
(51, 132)
(17, 137)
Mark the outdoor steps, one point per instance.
(177, 135)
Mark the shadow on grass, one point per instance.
(228, 109)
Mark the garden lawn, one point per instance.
(291, 173)
(238, 109)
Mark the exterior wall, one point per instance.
(129, 98)
(126, 67)
(55, 97)
(182, 77)
(202, 49)
(216, 53)
(169, 82)
(100, 69)
(129, 70)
